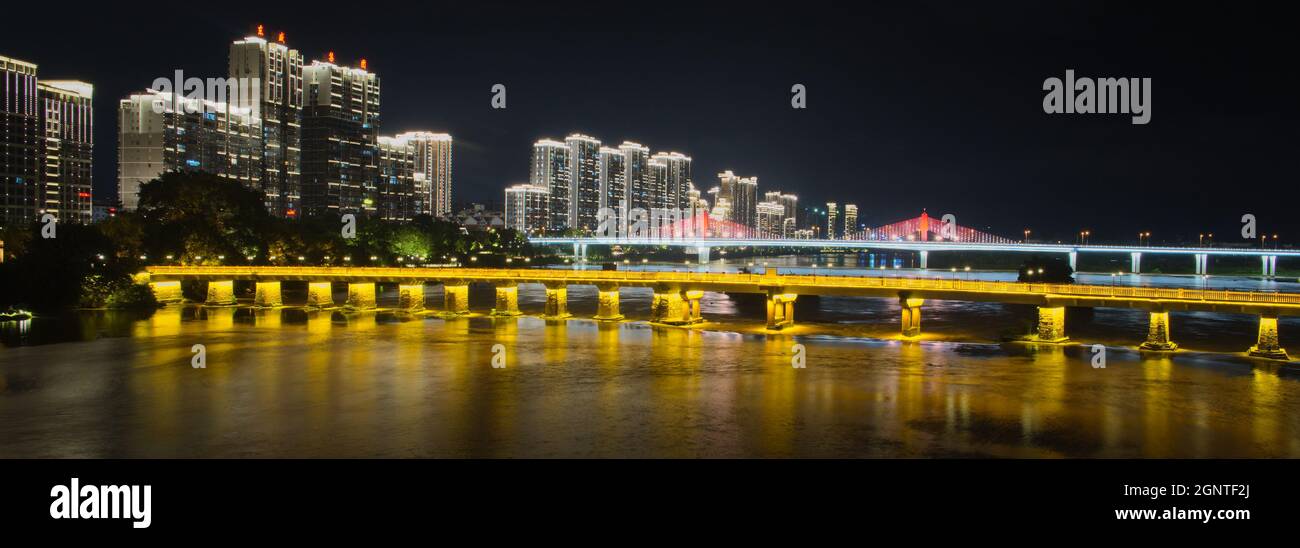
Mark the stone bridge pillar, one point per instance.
(1268, 345)
(607, 303)
(925, 260)
(1074, 261)
(361, 295)
(455, 298)
(1269, 264)
(507, 303)
(410, 297)
(320, 294)
(1158, 334)
(1136, 258)
(557, 301)
(1202, 263)
(220, 293)
(1051, 325)
(702, 255)
(268, 295)
(668, 307)
(166, 292)
(911, 315)
(780, 309)
(692, 298)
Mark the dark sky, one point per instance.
(926, 106)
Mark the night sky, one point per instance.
(930, 106)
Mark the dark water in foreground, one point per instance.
(288, 383)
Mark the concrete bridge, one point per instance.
(702, 246)
(677, 294)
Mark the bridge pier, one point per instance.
(607, 303)
(320, 294)
(267, 295)
(579, 255)
(361, 295)
(1269, 265)
(557, 301)
(1158, 334)
(925, 259)
(1202, 263)
(702, 255)
(507, 303)
(911, 315)
(410, 297)
(1074, 261)
(220, 293)
(1051, 325)
(455, 298)
(780, 309)
(1268, 345)
(166, 292)
(674, 306)
(1136, 258)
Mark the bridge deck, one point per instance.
(1041, 294)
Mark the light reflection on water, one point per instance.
(292, 383)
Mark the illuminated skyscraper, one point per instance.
(527, 208)
(550, 170)
(23, 142)
(160, 132)
(584, 181)
(340, 121)
(278, 108)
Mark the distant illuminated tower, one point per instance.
(612, 172)
(430, 168)
(22, 139)
(636, 160)
(741, 194)
(832, 218)
(771, 217)
(550, 170)
(584, 181)
(278, 108)
(528, 208)
(676, 179)
(850, 221)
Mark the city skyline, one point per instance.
(892, 143)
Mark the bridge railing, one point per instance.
(654, 277)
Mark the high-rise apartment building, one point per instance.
(340, 130)
(399, 188)
(676, 178)
(46, 145)
(636, 161)
(528, 208)
(160, 132)
(832, 221)
(771, 219)
(69, 149)
(277, 107)
(430, 169)
(741, 193)
(584, 181)
(850, 221)
(612, 174)
(550, 170)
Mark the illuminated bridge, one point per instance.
(677, 294)
(1268, 257)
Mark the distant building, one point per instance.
(851, 222)
(527, 208)
(676, 181)
(832, 221)
(414, 174)
(478, 217)
(771, 219)
(102, 212)
(160, 132)
(741, 194)
(636, 161)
